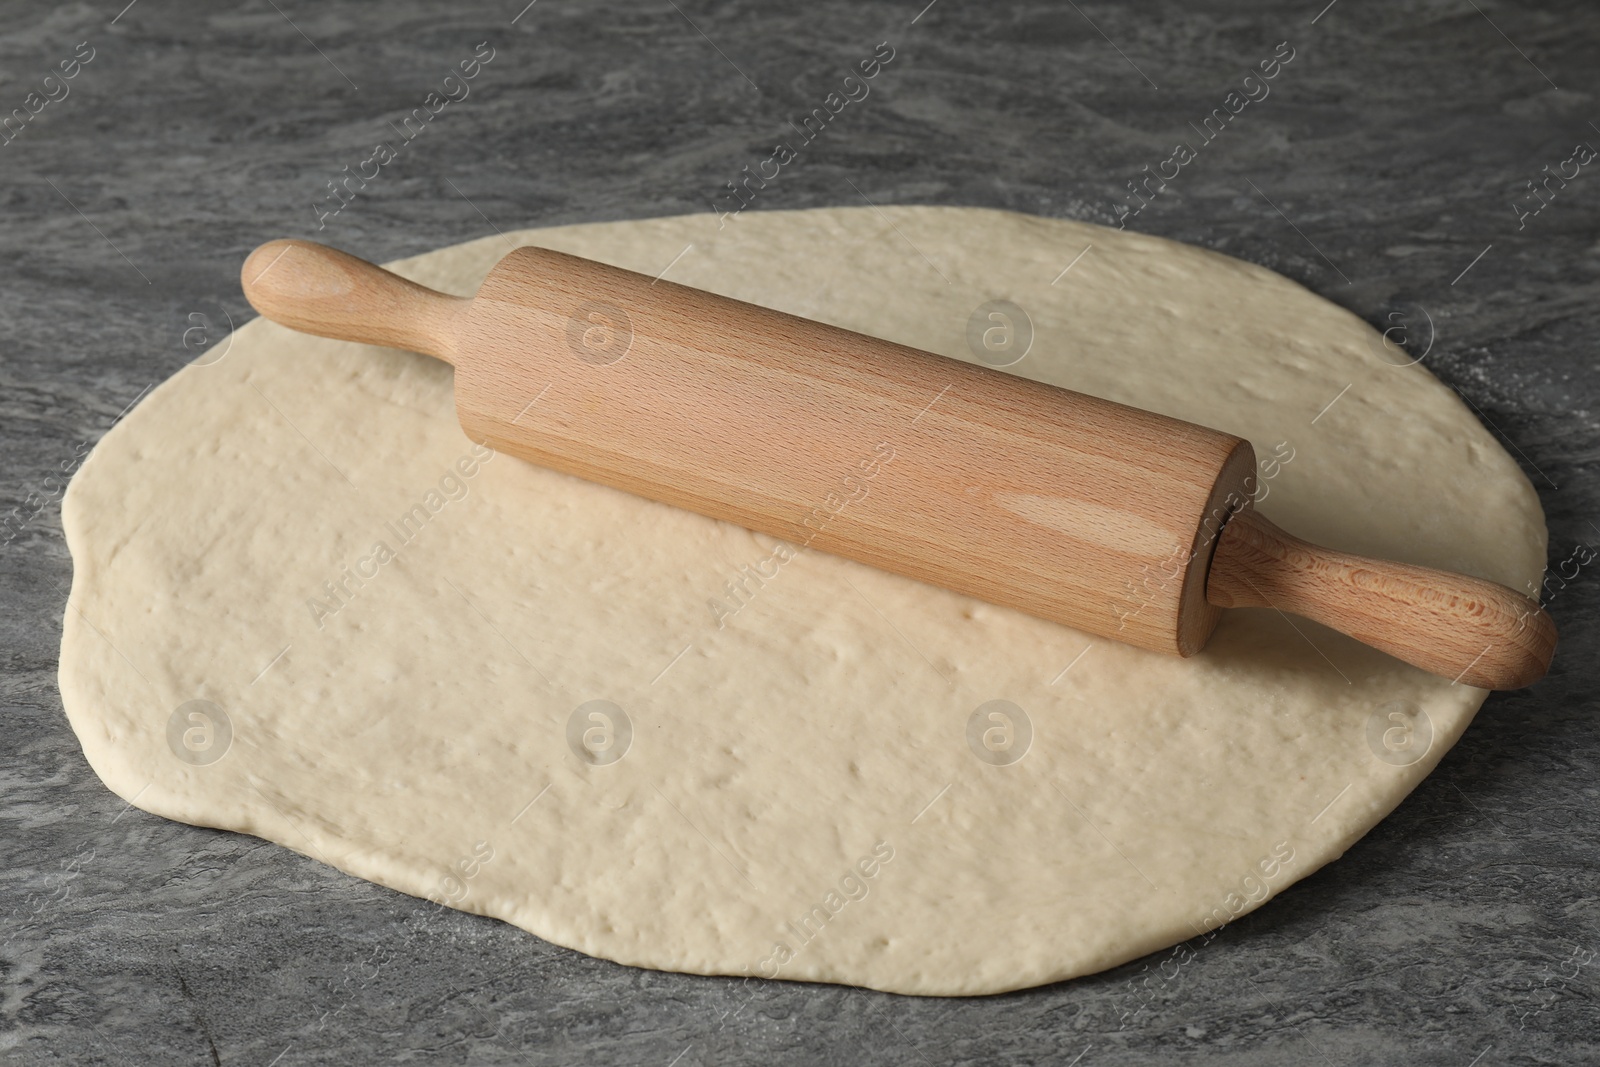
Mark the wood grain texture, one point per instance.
(1071, 508)
(1063, 505)
(1473, 631)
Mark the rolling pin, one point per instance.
(1112, 520)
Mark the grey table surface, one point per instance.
(1384, 172)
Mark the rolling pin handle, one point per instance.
(1467, 629)
(316, 289)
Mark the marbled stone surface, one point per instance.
(1387, 161)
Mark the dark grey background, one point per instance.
(1460, 932)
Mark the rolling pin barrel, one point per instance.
(1072, 508)
(1063, 505)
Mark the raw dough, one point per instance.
(801, 776)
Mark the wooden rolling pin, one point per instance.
(1068, 507)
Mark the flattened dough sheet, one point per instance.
(305, 608)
